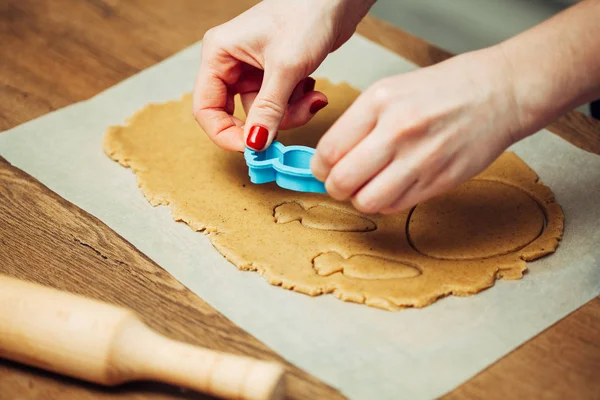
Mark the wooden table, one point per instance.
(55, 53)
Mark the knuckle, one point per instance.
(196, 116)
(215, 40)
(391, 141)
(381, 91)
(328, 153)
(283, 63)
(364, 204)
(437, 158)
(340, 184)
(290, 63)
(397, 138)
(453, 175)
(210, 36)
(268, 106)
(197, 113)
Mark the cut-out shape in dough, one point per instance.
(322, 217)
(479, 219)
(363, 266)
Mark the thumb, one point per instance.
(269, 107)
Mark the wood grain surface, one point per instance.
(57, 52)
(48, 240)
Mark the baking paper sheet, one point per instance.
(364, 352)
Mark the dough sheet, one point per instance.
(458, 243)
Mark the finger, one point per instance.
(411, 161)
(415, 194)
(300, 112)
(247, 100)
(269, 107)
(385, 188)
(248, 86)
(211, 100)
(249, 81)
(305, 86)
(359, 165)
(358, 120)
(448, 177)
(249, 91)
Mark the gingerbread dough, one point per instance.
(458, 243)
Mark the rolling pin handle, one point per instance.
(142, 354)
(109, 345)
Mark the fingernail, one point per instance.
(309, 85)
(317, 105)
(257, 138)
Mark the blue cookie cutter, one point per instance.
(288, 166)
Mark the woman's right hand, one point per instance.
(266, 55)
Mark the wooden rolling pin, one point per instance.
(109, 345)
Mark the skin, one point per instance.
(265, 55)
(414, 135)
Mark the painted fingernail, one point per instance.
(257, 138)
(309, 85)
(317, 105)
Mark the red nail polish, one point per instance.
(257, 138)
(309, 85)
(317, 105)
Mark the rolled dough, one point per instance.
(458, 243)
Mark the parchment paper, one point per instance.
(364, 352)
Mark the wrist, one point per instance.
(531, 89)
(555, 66)
(492, 76)
(347, 14)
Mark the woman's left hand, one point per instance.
(412, 136)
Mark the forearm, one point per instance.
(555, 65)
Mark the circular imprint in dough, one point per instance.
(479, 219)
